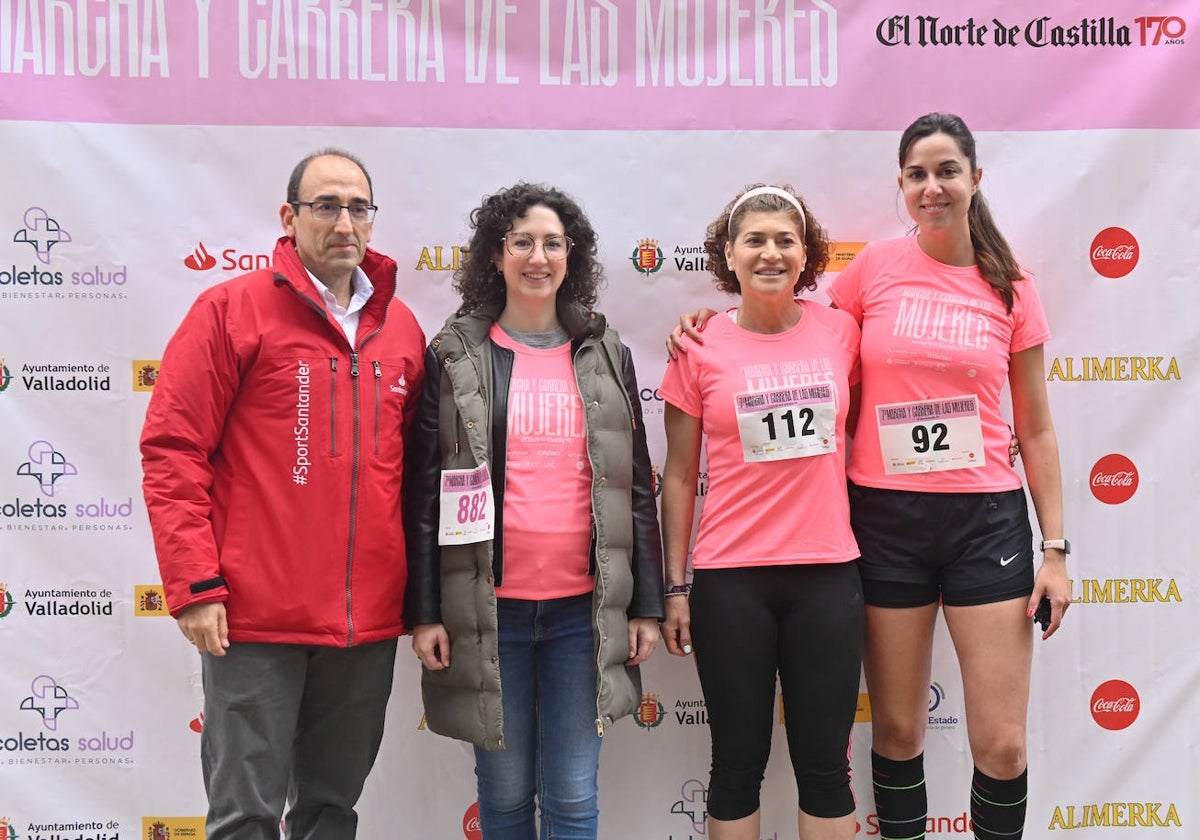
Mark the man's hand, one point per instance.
(204, 626)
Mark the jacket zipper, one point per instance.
(356, 439)
(378, 377)
(333, 407)
(598, 606)
(353, 498)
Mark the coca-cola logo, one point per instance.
(471, 829)
(1115, 704)
(1114, 252)
(1114, 479)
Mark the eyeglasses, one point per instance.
(521, 245)
(328, 211)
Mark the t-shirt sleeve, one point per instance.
(852, 337)
(846, 290)
(1030, 325)
(679, 385)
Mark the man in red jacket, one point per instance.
(272, 455)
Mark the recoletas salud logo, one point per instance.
(48, 699)
(42, 278)
(46, 465)
(57, 741)
(52, 470)
(41, 232)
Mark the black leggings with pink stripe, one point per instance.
(803, 622)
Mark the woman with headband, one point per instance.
(775, 591)
(948, 318)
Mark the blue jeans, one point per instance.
(551, 749)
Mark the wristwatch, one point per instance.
(1064, 544)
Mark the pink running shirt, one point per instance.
(547, 477)
(763, 513)
(934, 335)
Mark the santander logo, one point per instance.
(471, 829)
(200, 259)
(1115, 704)
(1114, 479)
(1114, 252)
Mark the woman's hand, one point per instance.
(643, 638)
(677, 626)
(690, 324)
(432, 644)
(1052, 583)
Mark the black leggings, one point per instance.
(804, 622)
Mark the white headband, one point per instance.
(784, 194)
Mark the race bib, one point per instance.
(785, 423)
(468, 512)
(931, 435)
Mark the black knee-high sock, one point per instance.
(899, 796)
(998, 806)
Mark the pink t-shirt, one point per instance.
(547, 477)
(936, 345)
(770, 512)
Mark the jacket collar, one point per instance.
(580, 323)
(379, 268)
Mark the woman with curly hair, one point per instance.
(775, 589)
(535, 560)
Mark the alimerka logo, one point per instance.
(1116, 815)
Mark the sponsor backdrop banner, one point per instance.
(146, 148)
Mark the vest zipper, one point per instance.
(599, 577)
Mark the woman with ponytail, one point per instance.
(948, 317)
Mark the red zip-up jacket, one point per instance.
(272, 457)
